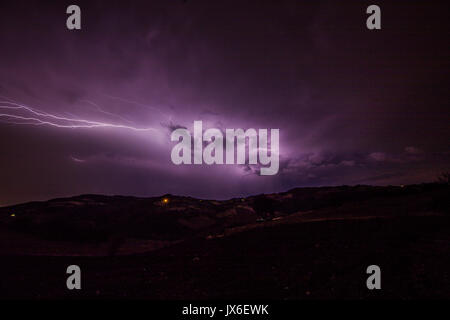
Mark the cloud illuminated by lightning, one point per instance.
(16, 113)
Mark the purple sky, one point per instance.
(353, 106)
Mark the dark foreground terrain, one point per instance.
(307, 243)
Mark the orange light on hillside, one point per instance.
(165, 201)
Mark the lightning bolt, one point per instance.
(16, 113)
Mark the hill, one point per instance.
(303, 243)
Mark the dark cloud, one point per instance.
(352, 106)
(172, 126)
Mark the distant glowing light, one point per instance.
(165, 200)
(13, 215)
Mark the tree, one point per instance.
(264, 206)
(444, 178)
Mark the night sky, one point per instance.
(353, 106)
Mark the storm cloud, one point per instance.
(353, 106)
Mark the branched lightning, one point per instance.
(16, 113)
